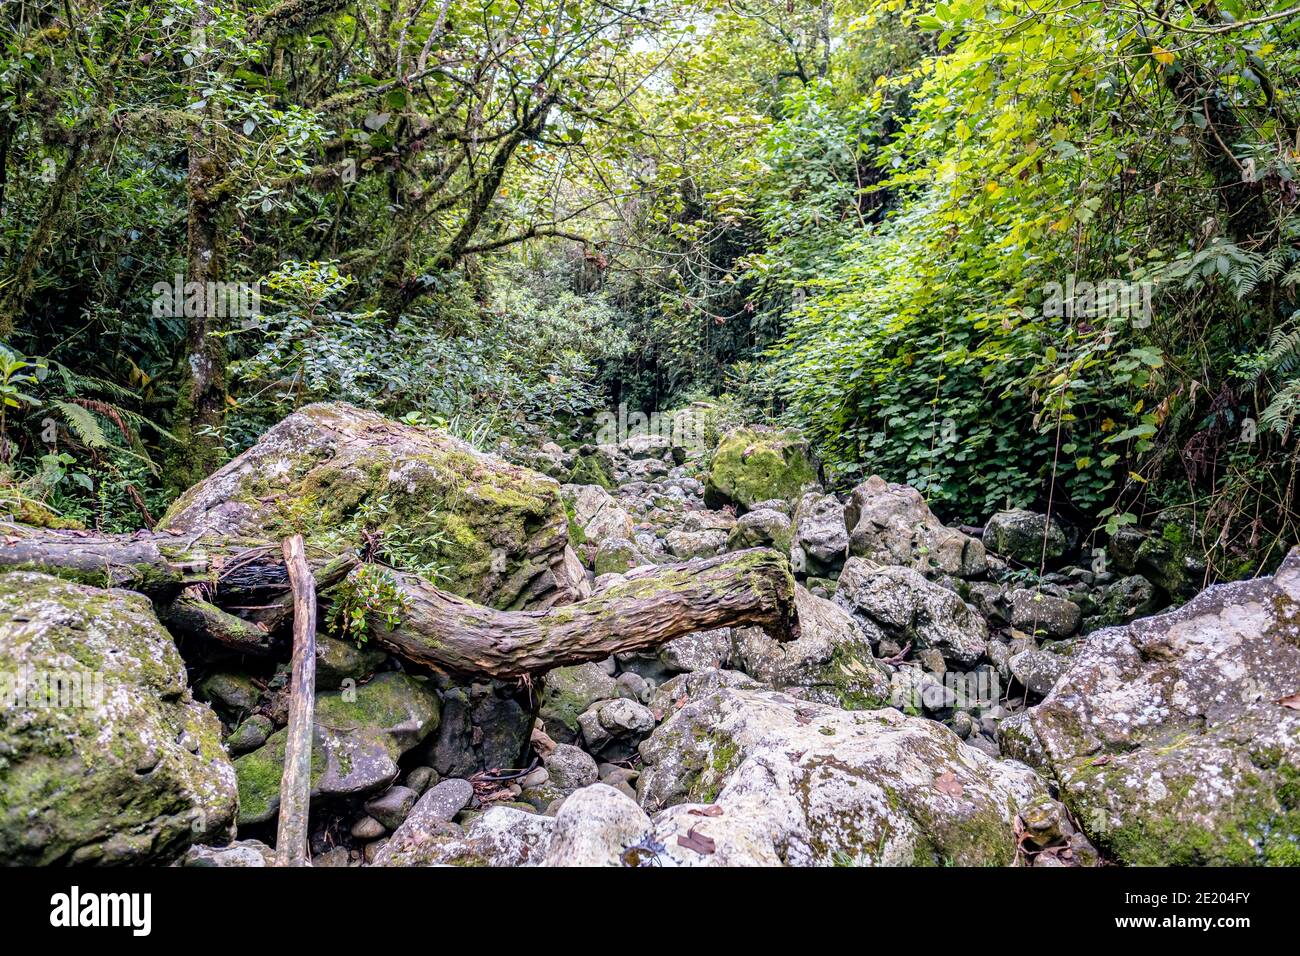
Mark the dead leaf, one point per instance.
(712, 810)
(697, 841)
(949, 784)
(1292, 702)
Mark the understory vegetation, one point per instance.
(1012, 253)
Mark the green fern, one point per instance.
(84, 425)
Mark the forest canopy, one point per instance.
(1011, 253)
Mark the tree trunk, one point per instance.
(199, 417)
(200, 582)
(745, 588)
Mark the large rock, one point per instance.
(337, 473)
(596, 514)
(503, 836)
(820, 534)
(594, 827)
(907, 607)
(831, 662)
(758, 464)
(359, 735)
(892, 524)
(104, 755)
(761, 528)
(805, 784)
(1027, 537)
(1169, 737)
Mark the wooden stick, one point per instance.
(295, 783)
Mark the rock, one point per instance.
(594, 827)
(616, 555)
(105, 757)
(368, 828)
(441, 803)
(697, 651)
(1171, 557)
(250, 734)
(502, 836)
(1018, 535)
(615, 720)
(338, 857)
(632, 686)
(761, 528)
(696, 544)
(830, 663)
(391, 807)
(709, 521)
(1043, 615)
(338, 660)
(356, 744)
(647, 445)
(990, 600)
(494, 528)
(567, 693)
(570, 768)
(804, 784)
(819, 531)
(240, 854)
(1038, 671)
(231, 693)
(590, 470)
(892, 524)
(904, 605)
(597, 514)
(1123, 600)
(754, 464)
(672, 693)
(1167, 736)
(421, 779)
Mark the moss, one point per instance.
(750, 466)
(589, 470)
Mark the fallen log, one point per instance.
(205, 585)
(295, 782)
(745, 588)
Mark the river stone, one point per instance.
(1123, 600)
(597, 513)
(820, 533)
(1043, 615)
(805, 784)
(669, 696)
(229, 692)
(501, 836)
(831, 662)
(250, 734)
(697, 651)
(1168, 736)
(1038, 671)
(131, 772)
(594, 826)
(905, 606)
(239, 854)
(392, 806)
(892, 524)
(687, 545)
(356, 744)
(761, 528)
(570, 768)
(338, 660)
(616, 555)
(494, 528)
(1018, 535)
(567, 693)
(756, 464)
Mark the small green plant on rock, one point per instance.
(370, 590)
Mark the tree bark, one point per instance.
(295, 783)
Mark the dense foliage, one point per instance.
(1009, 252)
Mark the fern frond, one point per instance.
(83, 424)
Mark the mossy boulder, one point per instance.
(830, 663)
(359, 734)
(105, 757)
(1168, 737)
(567, 692)
(758, 464)
(492, 531)
(803, 784)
